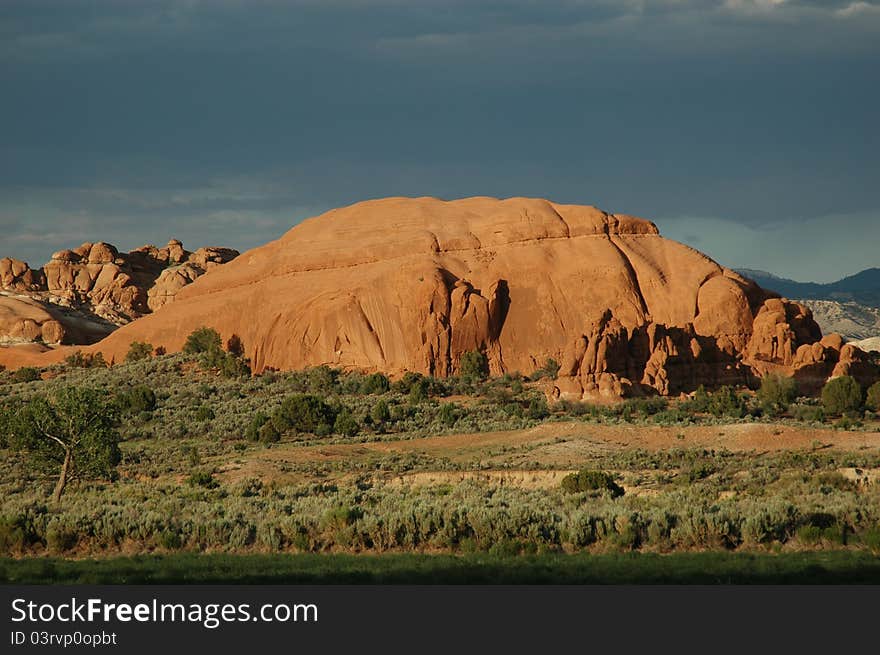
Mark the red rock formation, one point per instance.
(411, 284)
(81, 295)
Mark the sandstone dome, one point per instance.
(410, 284)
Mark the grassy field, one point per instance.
(708, 568)
(441, 480)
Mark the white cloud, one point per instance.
(856, 9)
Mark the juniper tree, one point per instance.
(74, 429)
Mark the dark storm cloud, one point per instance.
(225, 121)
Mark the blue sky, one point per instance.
(747, 128)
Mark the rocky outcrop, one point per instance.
(82, 294)
(405, 284)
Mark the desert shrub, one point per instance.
(203, 340)
(538, 409)
(872, 401)
(842, 395)
(410, 379)
(346, 424)
(448, 414)
(809, 535)
(170, 539)
(80, 359)
(697, 471)
(15, 536)
(341, 516)
(202, 479)
(268, 433)
(139, 351)
(193, 458)
(303, 413)
(809, 413)
(235, 346)
(25, 374)
(777, 393)
(474, 365)
(375, 384)
(725, 402)
(871, 539)
(60, 539)
(418, 391)
(698, 403)
(252, 432)
(835, 480)
(550, 369)
(231, 366)
(321, 379)
(588, 480)
(380, 412)
(205, 413)
(139, 399)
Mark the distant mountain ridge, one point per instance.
(862, 288)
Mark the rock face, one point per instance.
(81, 295)
(411, 284)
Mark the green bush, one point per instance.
(268, 434)
(777, 393)
(252, 433)
(26, 374)
(538, 409)
(375, 384)
(14, 537)
(60, 539)
(139, 399)
(588, 480)
(202, 479)
(809, 535)
(203, 340)
(809, 413)
(139, 351)
(346, 424)
(418, 392)
(871, 539)
(448, 414)
(231, 366)
(727, 403)
(474, 365)
(872, 401)
(550, 369)
(724, 402)
(842, 395)
(303, 413)
(380, 413)
(205, 413)
(80, 359)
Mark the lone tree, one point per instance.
(74, 428)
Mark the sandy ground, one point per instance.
(558, 447)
